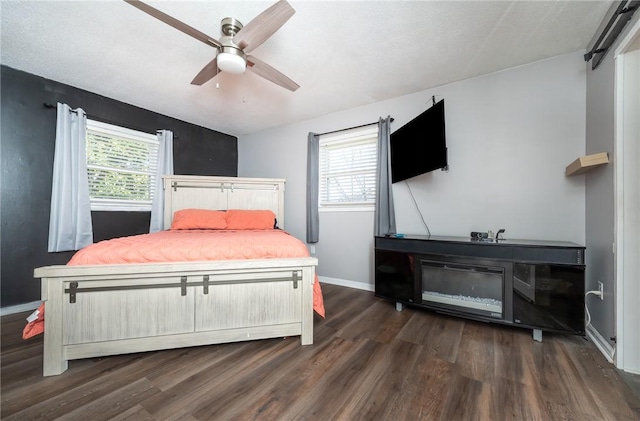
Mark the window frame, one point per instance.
(120, 205)
(368, 135)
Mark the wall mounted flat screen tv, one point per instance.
(420, 145)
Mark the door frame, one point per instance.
(624, 272)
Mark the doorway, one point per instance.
(627, 186)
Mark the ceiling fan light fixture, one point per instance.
(237, 40)
(231, 63)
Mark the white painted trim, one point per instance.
(601, 343)
(628, 39)
(632, 372)
(619, 191)
(618, 182)
(346, 283)
(5, 311)
(350, 208)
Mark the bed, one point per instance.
(107, 309)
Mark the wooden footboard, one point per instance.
(102, 310)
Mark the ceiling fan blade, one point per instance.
(262, 69)
(207, 73)
(254, 33)
(169, 20)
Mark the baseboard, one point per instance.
(346, 283)
(5, 311)
(601, 343)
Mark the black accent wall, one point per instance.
(26, 154)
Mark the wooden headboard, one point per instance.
(222, 193)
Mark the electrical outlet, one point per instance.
(601, 289)
(312, 249)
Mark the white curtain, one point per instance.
(70, 218)
(165, 167)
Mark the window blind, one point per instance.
(121, 165)
(348, 168)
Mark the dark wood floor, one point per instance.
(368, 362)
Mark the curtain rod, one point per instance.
(55, 107)
(349, 128)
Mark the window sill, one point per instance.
(120, 209)
(347, 209)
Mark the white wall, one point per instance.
(510, 136)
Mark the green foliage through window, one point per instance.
(121, 167)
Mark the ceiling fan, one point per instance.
(236, 42)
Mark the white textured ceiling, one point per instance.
(342, 53)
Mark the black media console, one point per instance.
(532, 284)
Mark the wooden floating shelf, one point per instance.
(587, 163)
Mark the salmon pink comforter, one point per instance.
(198, 245)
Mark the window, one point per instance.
(121, 165)
(348, 169)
